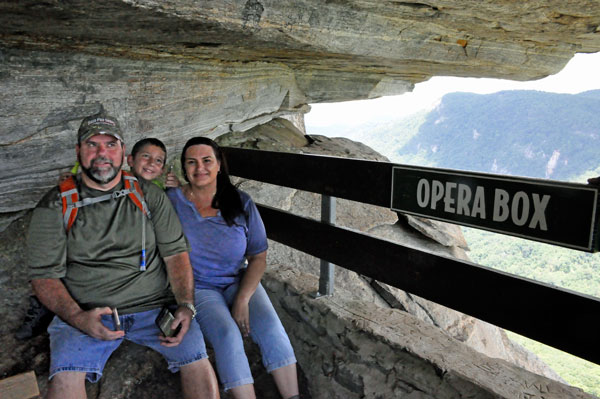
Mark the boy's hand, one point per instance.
(172, 180)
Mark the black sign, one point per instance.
(553, 212)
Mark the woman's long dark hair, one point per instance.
(227, 199)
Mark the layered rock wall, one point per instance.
(45, 96)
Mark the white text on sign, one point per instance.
(522, 209)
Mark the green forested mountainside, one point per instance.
(575, 270)
(507, 123)
(591, 94)
(519, 132)
(384, 136)
(562, 267)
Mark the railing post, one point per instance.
(326, 277)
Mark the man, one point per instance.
(83, 271)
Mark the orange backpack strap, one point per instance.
(70, 198)
(135, 192)
(71, 202)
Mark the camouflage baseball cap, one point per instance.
(99, 123)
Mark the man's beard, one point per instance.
(101, 176)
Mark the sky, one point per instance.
(580, 74)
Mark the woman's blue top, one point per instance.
(218, 252)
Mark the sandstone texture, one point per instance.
(355, 349)
(394, 42)
(178, 68)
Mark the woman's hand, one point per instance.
(240, 310)
(241, 314)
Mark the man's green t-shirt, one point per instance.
(98, 260)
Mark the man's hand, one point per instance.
(181, 278)
(183, 318)
(90, 323)
(53, 294)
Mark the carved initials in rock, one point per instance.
(529, 395)
(488, 368)
(534, 390)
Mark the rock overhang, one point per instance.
(410, 40)
(177, 68)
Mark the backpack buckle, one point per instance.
(120, 193)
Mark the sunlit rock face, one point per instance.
(174, 69)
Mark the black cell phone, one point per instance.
(164, 320)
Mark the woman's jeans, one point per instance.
(222, 332)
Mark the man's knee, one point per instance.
(67, 384)
(198, 370)
(198, 379)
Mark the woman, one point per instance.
(224, 229)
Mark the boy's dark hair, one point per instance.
(137, 147)
(227, 199)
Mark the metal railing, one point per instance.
(557, 317)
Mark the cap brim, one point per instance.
(94, 130)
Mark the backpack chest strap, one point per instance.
(71, 203)
(106, 197)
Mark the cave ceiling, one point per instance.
(409, 40)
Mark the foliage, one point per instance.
(383, 136)
(562, 267)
